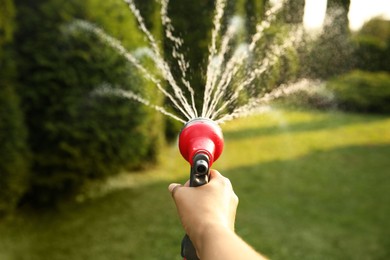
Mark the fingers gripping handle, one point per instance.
(199, 176)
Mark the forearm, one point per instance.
(218, 242)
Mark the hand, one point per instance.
(210, 205)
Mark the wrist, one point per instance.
(209, 232)
(218, 241)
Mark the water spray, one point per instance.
(200, 143)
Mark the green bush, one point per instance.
(372, 42)
(376, 27)
(362, 91)
(76, 134)
(370, 54)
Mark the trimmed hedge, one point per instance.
(75, 134)
(362, 91)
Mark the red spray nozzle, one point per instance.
(201, 135)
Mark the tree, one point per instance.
(336, 17)
(332, 54)
(293, 11)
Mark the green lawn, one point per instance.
(312, 185)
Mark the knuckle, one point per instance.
(226, 182)
(235, 198)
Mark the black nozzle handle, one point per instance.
(188, 251)
(199, 176)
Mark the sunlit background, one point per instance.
(359, 12)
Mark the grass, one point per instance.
(312, 185)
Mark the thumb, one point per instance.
(173, 187)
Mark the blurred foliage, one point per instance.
(192, 21)
(377, 27)
(332, 53)
(282, 63)
(361, 91)
(337, 15)
(372, 42)
(255, 11)
(76, 134)
(367, 88)
(13, 134)
(287, 63)
(7, 11)
(293, 11)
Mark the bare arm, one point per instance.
(222, 243)
(208, 215)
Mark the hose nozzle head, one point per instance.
(201, 135)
